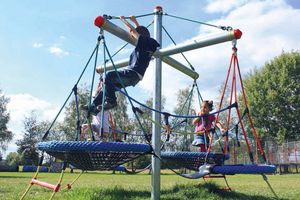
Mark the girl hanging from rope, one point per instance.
(203, 125)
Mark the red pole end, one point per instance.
(99, 21)
(237, 33)
(158, 8)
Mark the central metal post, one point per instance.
(156, 141)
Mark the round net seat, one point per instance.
(192, 160)
(94, 155)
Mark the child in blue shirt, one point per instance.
(138, 63)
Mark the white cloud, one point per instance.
(21, 105)
(37, 45)
(223, 6)
(62, 37)
(58, 51)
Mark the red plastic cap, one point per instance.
(237, 33)
(99, 21)
(158, 8)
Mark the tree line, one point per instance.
(273, 100)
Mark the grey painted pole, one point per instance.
(166, 59)
(209, 40)
(156, 142)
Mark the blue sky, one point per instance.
(45, 45)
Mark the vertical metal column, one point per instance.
(156, 142)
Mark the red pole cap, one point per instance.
(158, 8)
(99, 21)
(237, 33)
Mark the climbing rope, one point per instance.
(174, 115)
(168, 34)
(125, 91)
(109, 17)
(224, 28)
(69, 96)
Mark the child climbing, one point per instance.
(138, 63)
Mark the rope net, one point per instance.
(94, 155)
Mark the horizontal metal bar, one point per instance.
(200, 43)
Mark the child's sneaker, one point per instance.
(93, 109)
(110, 105)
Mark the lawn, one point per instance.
(105, 185)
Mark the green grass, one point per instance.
(107, 186)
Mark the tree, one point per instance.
(146, 117)
(68, 127)
(146, 121)
(223, 116)
(273, 94)
(5, 135)
(32, 135)
(69, 124)
(184, 106)
(120, 116)
(13, 158)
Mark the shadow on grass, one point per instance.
(178, 192)
(225, 194)
(4, 177)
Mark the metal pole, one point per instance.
(209, 40)
(180, 67)
(155, 192)
(166, 59)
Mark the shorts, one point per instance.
(199, 139)
(197, 142)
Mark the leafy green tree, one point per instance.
(184, 106)
(55, 133)
(120, 116)
(273, 94)
(223, 116)
(27, 145)
(146, 121)
(68, 127)
(5, 135)
(146, 117)
(13, 158)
